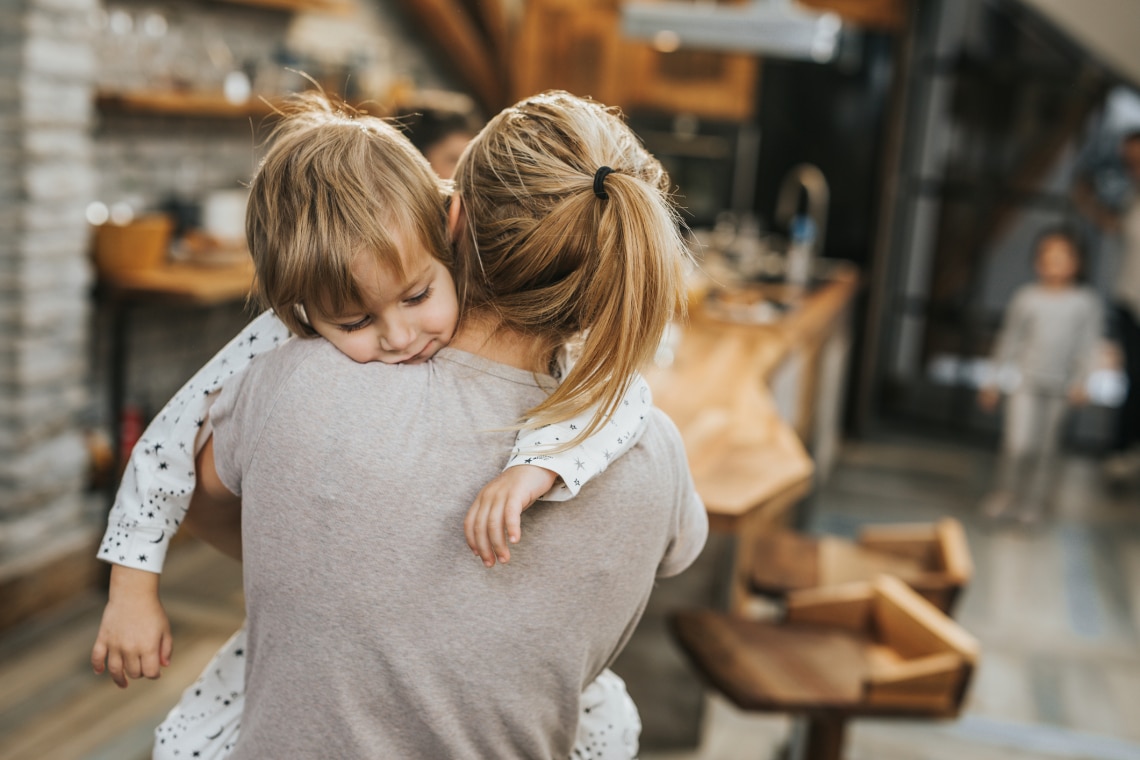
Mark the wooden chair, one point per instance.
(932, 558)
(860, 649)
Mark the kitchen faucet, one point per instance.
(811, 180)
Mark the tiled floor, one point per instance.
(1056, 607)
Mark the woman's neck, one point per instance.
(483, 335)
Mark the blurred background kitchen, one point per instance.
(864, 180)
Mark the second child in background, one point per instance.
(1049, 336)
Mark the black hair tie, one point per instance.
(600, 182)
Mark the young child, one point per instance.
(346, 184)
(1049, 335)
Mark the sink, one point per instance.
(749, 303)
(762, 300)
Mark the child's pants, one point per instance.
(205, 722)
(1030, 444)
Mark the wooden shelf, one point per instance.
(185, 104)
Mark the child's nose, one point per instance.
(397, 336)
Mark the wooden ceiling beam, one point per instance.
(457, 36)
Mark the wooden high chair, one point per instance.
(932, 558)
(866, 648)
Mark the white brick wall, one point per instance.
(46, 178)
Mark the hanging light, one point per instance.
(772, 28)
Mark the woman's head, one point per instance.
(336, 187)
(543, 254)
(1058, 257)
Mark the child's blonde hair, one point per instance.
(558, 250)
(335, 184)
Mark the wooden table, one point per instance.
(841, 652)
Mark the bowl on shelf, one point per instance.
(200, 248)
(142, 243)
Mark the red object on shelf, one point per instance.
(131, 426)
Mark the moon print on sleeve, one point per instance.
(159, 477)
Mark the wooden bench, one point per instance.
(932, 558)
(860, 649)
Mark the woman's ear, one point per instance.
(455, 218)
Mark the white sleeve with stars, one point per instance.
(591, 457)
(159, 478)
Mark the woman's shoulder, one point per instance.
(663, 432)
(294, 354)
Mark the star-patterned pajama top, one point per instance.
(160, 475)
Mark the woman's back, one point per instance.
(423, 651)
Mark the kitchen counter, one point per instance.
(743, 452)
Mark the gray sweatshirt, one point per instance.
(373, 631)
(1050, 336)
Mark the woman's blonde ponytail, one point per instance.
(573, 237)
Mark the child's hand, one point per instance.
(988, 399)
(134, 638)
(494, 518)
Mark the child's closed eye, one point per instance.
(359, 324)
(420, 297)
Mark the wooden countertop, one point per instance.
(185, 283)
(742, 454)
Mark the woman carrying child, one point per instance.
(537, 267)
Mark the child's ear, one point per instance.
(455, 217)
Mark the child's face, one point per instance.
(1057, 261)
(401, 321)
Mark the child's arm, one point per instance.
(159, 477)
(150, 505)
(533, 472)
(134, 636)
(1010, 337)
